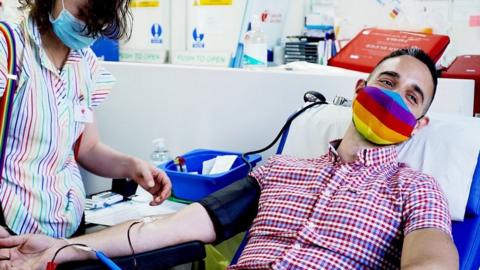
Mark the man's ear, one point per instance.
(360, 84)
(421, 123)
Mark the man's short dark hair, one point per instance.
(422, 57)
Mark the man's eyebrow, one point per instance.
(390, 73)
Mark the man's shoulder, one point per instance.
(414, 178)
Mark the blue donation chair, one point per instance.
(303, 139)
(466, 234)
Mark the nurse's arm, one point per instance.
(102, 160)
(99, 158)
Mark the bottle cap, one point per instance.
(159, 142)
(256, 23)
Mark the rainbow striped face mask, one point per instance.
(382, 117)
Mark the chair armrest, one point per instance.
(164, 258)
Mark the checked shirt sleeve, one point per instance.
(426, 207)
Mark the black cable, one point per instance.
(135, 266)
(285, 126)
(69, 245)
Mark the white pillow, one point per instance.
(310, 132)
(446, 149)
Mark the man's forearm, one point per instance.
(190, 224)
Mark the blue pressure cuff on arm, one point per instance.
(233, 208)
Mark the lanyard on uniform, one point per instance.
(6, 102)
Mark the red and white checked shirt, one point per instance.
(323, 213)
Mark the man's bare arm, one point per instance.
(429, 249)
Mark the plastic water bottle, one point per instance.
(160, 153)
(255, 53)
(158, 156)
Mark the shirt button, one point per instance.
(311, 225)
(328, 192)
(296, 246)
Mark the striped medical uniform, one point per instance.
(41, 189)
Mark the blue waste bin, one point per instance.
(194, 187)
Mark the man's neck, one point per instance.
(351, 143)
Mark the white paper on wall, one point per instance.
(273, 14)
(466, 31)
(410, 15)
(9, 11)
(150, 40)
(459, 19)
(213, 27)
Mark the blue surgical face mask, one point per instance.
(70, 30)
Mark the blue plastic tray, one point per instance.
(194, 187)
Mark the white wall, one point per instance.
(9, 11)
(451, 17)
(295, 17)
(446, 17)
(225, 109)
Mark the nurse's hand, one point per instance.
(152, 180)
(29, 251)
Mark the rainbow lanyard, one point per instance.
(6, 101)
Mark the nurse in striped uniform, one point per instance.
(60, 84)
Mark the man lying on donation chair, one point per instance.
(354, 207)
